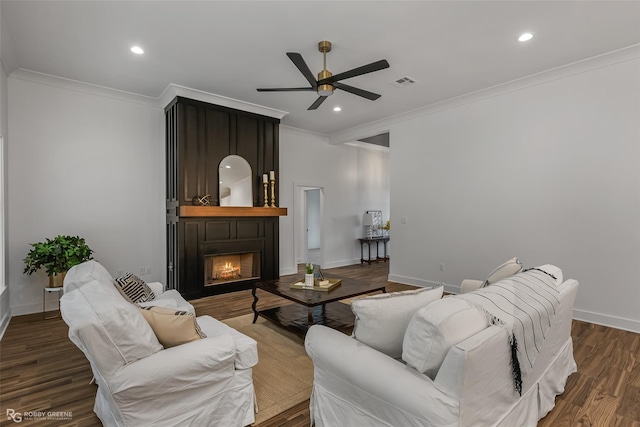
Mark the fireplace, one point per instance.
(232, 267)
(218, 266)
(199, 135)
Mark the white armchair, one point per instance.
(207, 381)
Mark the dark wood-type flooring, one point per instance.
(41, 370)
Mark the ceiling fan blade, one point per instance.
(356, 91)
(365, 69)
(316, 104)
(297, 60)
(285, 89)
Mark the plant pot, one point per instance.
(308, 280)
(56, 280)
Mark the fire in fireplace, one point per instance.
(227, 268)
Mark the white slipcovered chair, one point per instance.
(207, 381)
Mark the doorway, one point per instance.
(312, 203)
(309, 235)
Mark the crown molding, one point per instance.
(304, 132)
(368, 146)
(174, 90)
(585, 65)
(78, 86)
(162, 101)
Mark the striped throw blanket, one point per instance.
(524, 304)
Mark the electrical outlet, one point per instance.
(403, 220)
(441, 267)
(142, 271)
(148, 270)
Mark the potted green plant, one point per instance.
(308, 276)
(56, 256)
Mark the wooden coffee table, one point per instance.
(312, 307)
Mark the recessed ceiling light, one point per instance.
(337, 109)
(525, 37)
(137, 49)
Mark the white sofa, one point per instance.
(356, 385)
(204, 382)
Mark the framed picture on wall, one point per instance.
(376, 229)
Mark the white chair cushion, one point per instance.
(113, 330)
(381, 320)
(157, 288)
(435, 328)
(87, 272)
(170, 299)
(246, 347)
(506, 269)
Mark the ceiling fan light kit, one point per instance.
(327, 82)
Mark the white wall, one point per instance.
(86, 162)
(307, 159)
(374, 182)
(89, 161)
(549, 173)
(5, 310)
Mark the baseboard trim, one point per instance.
(332, 264)
(19, 310)
(607, 320)
(4, 324)
(288, 271)
(341, 263)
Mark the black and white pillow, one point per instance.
(134, 288)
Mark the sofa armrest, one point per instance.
(478, 372)
(373, 382)
(469, 285)
(177, 369)
(156, 287)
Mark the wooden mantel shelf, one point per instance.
(191, 211)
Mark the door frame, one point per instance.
(300, 221)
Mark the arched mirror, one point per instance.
(235, 182)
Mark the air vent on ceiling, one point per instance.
(403, 81)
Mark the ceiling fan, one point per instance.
(327, 82)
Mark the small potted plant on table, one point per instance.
(308, 276)
(56, 256)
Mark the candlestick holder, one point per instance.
(273, 193)
(266, 196)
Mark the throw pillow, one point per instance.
(381, 320)
(172, 327)
(551, 270)
(506, 269)
(134, 288)
(434, 329)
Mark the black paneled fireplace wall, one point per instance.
(198, 136)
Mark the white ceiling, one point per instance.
(450, 48)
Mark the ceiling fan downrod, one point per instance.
(324, 89)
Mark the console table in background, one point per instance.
(377, 241)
